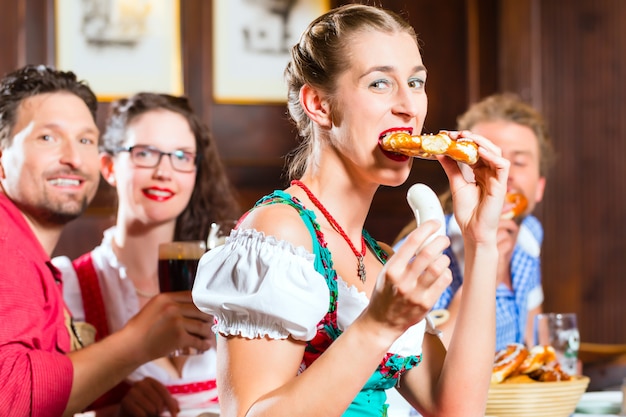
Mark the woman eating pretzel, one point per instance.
(313, 315)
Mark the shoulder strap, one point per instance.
(323, 261)
(95, 314)
(93, 304)
(382, 253)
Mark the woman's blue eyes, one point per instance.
(414, 83)
(182, 155)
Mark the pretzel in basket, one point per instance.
(516, 363)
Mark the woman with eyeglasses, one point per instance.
(170, 185)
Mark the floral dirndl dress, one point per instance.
(371, 399)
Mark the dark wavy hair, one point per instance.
(30, 81)
(213, 198)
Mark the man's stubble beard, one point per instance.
(59, 214)
(62, 217)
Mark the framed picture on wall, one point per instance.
(120, 47)
(252, 40)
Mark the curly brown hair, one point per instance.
(213, 198)
(30, 81)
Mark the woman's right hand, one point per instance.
(168, 322)
(411, 282)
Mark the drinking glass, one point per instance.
(560, 330)
(178, 263)
(218, 233)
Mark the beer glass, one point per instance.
(178, 262)
(218, 233)
(560, 330)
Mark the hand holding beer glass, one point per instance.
(178, 262)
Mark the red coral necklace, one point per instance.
(359, 256)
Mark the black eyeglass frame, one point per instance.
(129, 149)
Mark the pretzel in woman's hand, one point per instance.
(426, 146)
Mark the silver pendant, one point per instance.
(361, 269)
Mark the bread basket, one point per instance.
(535, 399)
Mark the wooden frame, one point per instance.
(120, 47)
(251, 47)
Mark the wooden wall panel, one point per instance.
(568, 62)
(11, 34)
(483, 75)
(38, 25)
(583, 86)
(519, 49)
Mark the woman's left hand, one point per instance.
(147, 398)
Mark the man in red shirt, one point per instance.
(49, 172)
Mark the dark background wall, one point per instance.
(566, 58)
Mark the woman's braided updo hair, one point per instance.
(321, 55)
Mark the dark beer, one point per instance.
(178, 263)
(177, 274)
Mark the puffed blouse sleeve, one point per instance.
(257, 286)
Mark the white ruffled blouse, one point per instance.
(258, 286)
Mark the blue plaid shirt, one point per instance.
(511, 305)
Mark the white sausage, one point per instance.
(426, 206)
